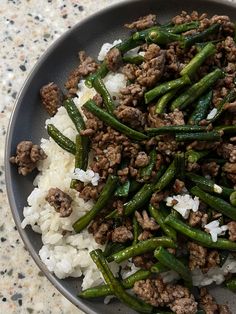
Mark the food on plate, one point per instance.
(136, 183)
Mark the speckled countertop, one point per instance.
(28, 27)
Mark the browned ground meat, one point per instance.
(210, 168)
(146, 234)
(200, 257)
(131, 95)
(143, 22)
(230, 169)
(121, 234)
(131, 116)
(157, 197)
(145, 261)
(91, 192)
(197, 219)
(60, 200)
(87, 66)
(113, 59)
(156, 293)
(209, 305)
(232, 230)
(146, 222)
(101, 229)
(178, 186)
(228, 151)
(27, 156)
(141, 160)
(51, 97)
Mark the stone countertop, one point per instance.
(28, 27)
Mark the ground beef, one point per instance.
(167, 145)
(113, 59)
(229, 167)
(143, 22)
(146, 234)
(87, 66)
(150, 72)
(200, 257)
(202, 145)
(91, 192)
(142, 160)
(210, 168)
(113, 154)
(101, 229)
(145, 261)
(27, 156)
(232, 230)
(51, 97)
(178, 186)
(174, 118)
(156, 293)
(228, 151)
(129, 70)
(209, 305)
(197, 219)
(158, 197)
(146, 222)
(131, 116)
(131, 95)
(121, 234)
(60, 200)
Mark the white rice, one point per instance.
(106, 47)
(212, 114)
(215, 229)
(184, 204)
(64, 252)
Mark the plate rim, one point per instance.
(8, 181)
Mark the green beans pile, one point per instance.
(193, 147)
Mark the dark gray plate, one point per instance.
(27, 121)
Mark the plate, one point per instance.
(27, 120)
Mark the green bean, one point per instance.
(158, 268)
(191, 68)
(208, 136)
(197, 89)
(112, 247)
(209, 185)
(170, 261)
(181, 28)
(164, 100)
(200, 111)
(214, 202)
(103, 199)
(140, 198)
(193, 155)
(102, 90)
(159, 215)
(146, 172)
(223, 257)
(74, 114)
(101, 73)
(63, 141)
(123, 190)
(173, 129)
(166, 87)
(138, 59)
(201, 237)
(141, 248)
(116, 287)
(108, 119)
(231, 96)
(231, 284)
(104, 290)
(180, 166)
(233, 198)
(134, 186)
(226, 128)
(189, 41)
(81, 156)
(136, 230)
(162, 37)
(166, 178)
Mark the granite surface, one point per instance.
(28, 27)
